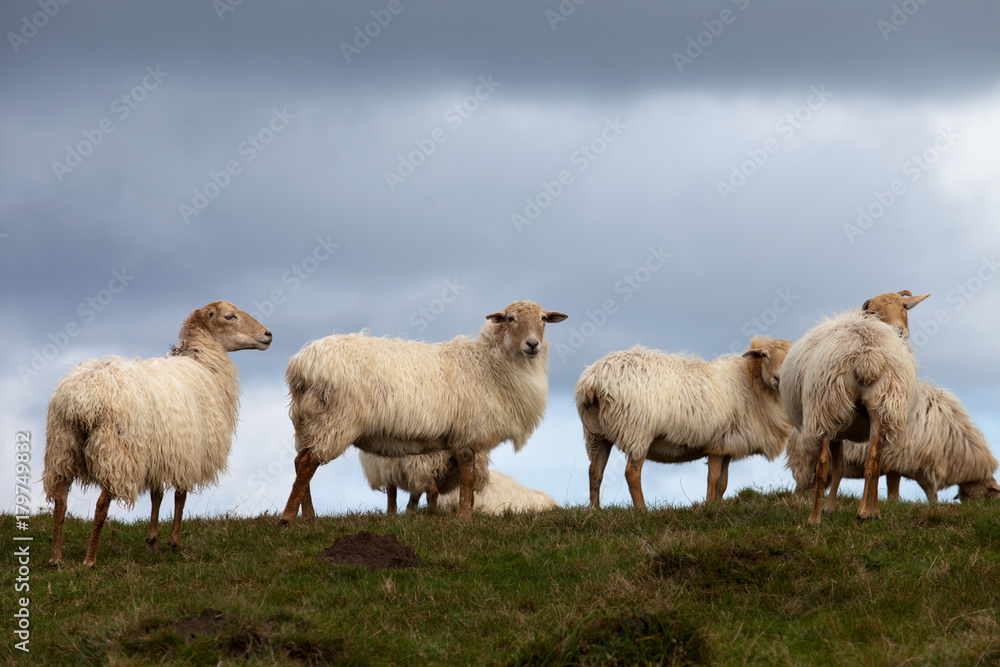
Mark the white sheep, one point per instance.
(853, 377)
(433, 474)
(503, 493)
(395, 397)
(673, 408)
(942, 446)
(132, 425)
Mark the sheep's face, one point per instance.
(891, 308)
(522, 325)
(233, 328)
(988, 488)
(771, 354)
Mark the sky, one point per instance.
(679, 175)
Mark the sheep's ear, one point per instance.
(209, 315)
(498, 317)
(756, 354)
(864, 306)
(553, 316)
(910, 302)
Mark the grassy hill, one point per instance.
(742, 581)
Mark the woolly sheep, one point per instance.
(942, 446)
(132, 425)
(502, 494)
(396, 397)
(853, 377)
(432, 474)
(673, 408)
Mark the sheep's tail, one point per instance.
(64, 444)
(592, 404)
(86, 445)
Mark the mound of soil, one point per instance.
(371, 550)
(208, 622)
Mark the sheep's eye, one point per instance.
(230, 317)
(510, 318)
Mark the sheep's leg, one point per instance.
(633, 477)
(930, 488)
(718, 476)
(58, 518)
(599, 450)
(308, 513)
(467, 479)
(153, 534)
(411, 505)
(432, 498)
(100, 514)
(175, 534)
(390, 495)
(837, 467)
(869, 497)
(892, 486)
(305, 467)
(822, 468)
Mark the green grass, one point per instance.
(744, 581)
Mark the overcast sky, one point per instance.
(680, 175)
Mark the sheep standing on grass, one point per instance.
(503, 493)
(671, 408)
(942, 446)
(395, 397)
(433, 474)
(128, 425)
(853, 377)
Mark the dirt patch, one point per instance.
(371, 550)
(209, 622)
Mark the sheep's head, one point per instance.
(891, 308)
(230, 326)
(987, 488)
(522, 327)
(766, 356)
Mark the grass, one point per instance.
(744, 581)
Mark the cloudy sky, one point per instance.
(680, 175)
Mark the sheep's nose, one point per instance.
(532, 345)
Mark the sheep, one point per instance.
(853, 377)
(132, 425)
(432, 474)
(503, 493)
(942, 446)
(393, 397)
(673, 408)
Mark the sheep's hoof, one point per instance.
(814, 520)
(175, 546)
(866, 519)
(55, 563)
(90, 564)
(152, 543)
(288, 523)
